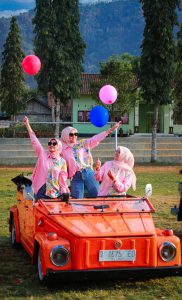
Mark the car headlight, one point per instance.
(59, 256)
(167, 251)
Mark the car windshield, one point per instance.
(104, 205)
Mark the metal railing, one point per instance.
(17, 129)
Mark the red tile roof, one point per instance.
(86, 80)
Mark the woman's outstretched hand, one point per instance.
(114, 127)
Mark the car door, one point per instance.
(21, 206)
(29, 225)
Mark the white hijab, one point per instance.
(65, 136)
(126, 162)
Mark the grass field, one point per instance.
(18, 279)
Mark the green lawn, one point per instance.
(18, 279)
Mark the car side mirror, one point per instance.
(28, 192)
(148, 190)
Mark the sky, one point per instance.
(15, 7)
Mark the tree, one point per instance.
(44, 38)
(60, 47)
(177, 82)
(118, 72)
(12, 78)
(158, 55)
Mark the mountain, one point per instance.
(26, 28)
(108, 28)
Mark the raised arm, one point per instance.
(27, 125)
(34, 140)
(96, 139)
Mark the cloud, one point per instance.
(10, 13)
(93, 1)
(23, 1)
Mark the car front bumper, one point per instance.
(113, 274)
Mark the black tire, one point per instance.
(42, 278)
(14, 244)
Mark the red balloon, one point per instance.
(31, 64)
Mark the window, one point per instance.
(124, 118)
(83, 116)
(178, 122)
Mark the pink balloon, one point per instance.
(108, 94)
(31, 64)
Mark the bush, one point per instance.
(20, 131)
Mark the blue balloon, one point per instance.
(99, 116)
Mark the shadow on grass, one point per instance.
(18, 280)
(179, 233)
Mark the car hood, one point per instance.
(107, 225)
(119, 219)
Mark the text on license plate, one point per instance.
(117, 255)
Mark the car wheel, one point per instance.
(14, 244)
(41, 276)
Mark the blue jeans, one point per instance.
(41, 194)
(82, 179)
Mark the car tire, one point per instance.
(41, 276)
(14, 244)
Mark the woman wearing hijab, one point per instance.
(50, 173)
(79, 160)
(116, 176)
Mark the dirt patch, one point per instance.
(21, 169)
(156, 169)
(138, 169)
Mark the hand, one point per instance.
(25, 120)
(111, 176)
(98, 164)
(115, 127)
(124, 120)
(180, 171)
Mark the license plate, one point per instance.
(117, 255)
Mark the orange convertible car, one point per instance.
(101, 237)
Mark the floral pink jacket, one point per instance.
(82, 147)
(43, 164)
(107, 187)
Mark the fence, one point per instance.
(9, 129)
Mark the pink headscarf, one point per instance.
(65, 136)
(57, 153)
(126, 162)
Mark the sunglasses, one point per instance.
(52, 143)
(73, 134)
